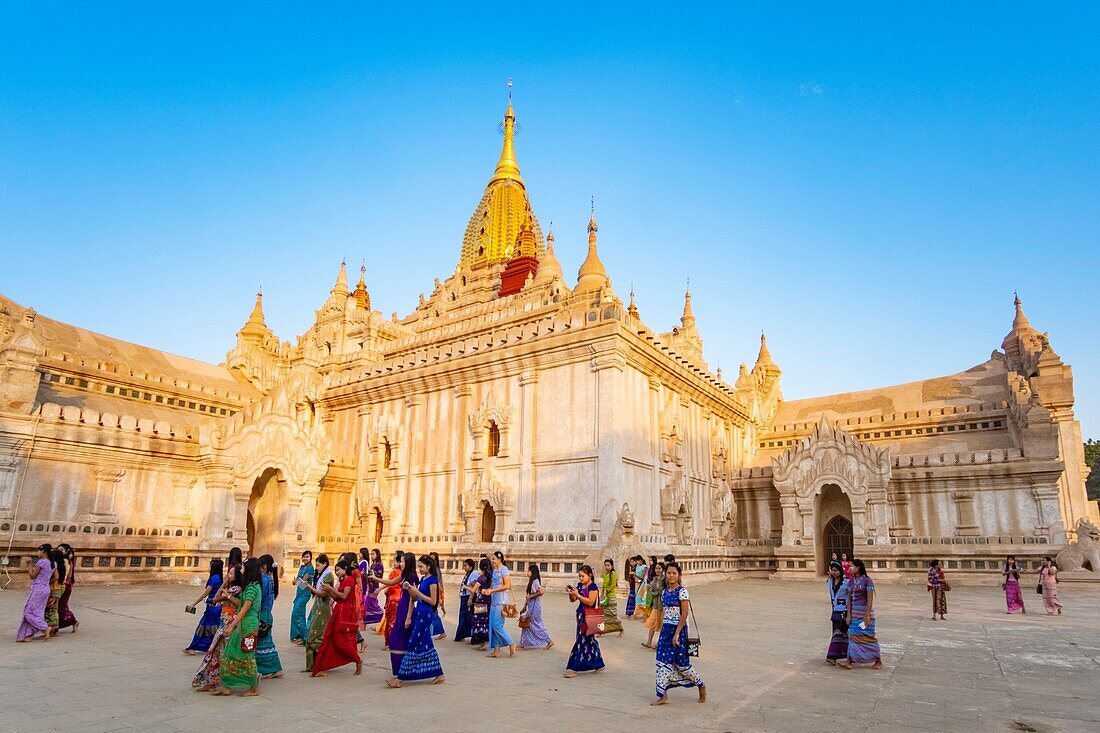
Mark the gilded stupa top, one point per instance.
(494, 228)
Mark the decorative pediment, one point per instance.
(830, 455)
(487, 487)
(491, 409)
(282, 430)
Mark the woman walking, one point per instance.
(398, 641)
(1048, 581)
(479, 606)
(641, 580)
(937, 586)
(1014, 599)
(34, 625)
(534, 635)
(438, 630)
(64, 613)
(338, 643)
(465, 600)
(846, 566)
(674, 668)
(372, 609)
(238, 661)
(609, 601)
(837, 585)
(655, 619)
(393, 596)
(863, 646)
(299, 625)
(421, 661)
(499, 596)
(211, 615)
(585, 655)
(53, 618)
(267, 656)
(632, 588)
(321, 611)
(208, 677)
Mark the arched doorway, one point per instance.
(376, 517)
(266, 517)
(488, 522)
(833, 514)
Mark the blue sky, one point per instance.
(868, 184)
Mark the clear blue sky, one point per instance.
(868, 184)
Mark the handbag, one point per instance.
(1039, 588)
(693, 642)
(508, 610)
(524, 621)
(946, 586)
(264, 631)
(481, 608)
(248, 643)
(594, 619)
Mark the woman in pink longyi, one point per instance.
(34, 612)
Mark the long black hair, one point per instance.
(486, 569)
(533, 575)
(322, 559)
(408, 568)
(500, 556)
(267, 561)
(235, 557)
(364, 553)
(70, 557)
(587, 570)
(859, 564)
(252, 571)
(216, 568)
(432, 563)
(375, 557)
(57, 557)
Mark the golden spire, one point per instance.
(592, 274)
(1020, 320)
(255, 328)
(632, 309)
(492, 229)
(764, 358)
(341, 286)
(688, 318)
(525, 240)
(549, 267)
(507, 166)
(362, 297)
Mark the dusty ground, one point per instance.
(763, 649)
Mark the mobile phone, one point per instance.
(189, 609)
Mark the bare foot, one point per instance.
(321, 674)
(438, 680)
(844, 664)
(550, 644)
(621, 632)
(493, 655)
(358, 668)
(877, 665)
(659, 700)
(393, 684)
(570, 674)
(702, 693)
(221, 692)
(511, 650)
(830, 661)
(76, 626)
(597, 671)
(251, 692)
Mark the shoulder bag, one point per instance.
(594, 618)
(693, 642)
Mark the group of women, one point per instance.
(47, 611)
(1047, 586)
(234, 632)
(852, 600)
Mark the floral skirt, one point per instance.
(53, 618)
(939, 601)
(209, 672)
(674, 668)
(585, 655)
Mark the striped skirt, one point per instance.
(862, 643)
(838, 645)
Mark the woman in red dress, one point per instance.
(338, 647)
(393, 597)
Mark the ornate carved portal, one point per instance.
(487, 507)
(829, 456)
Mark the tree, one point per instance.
(1092, 458)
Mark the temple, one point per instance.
(517, 408)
